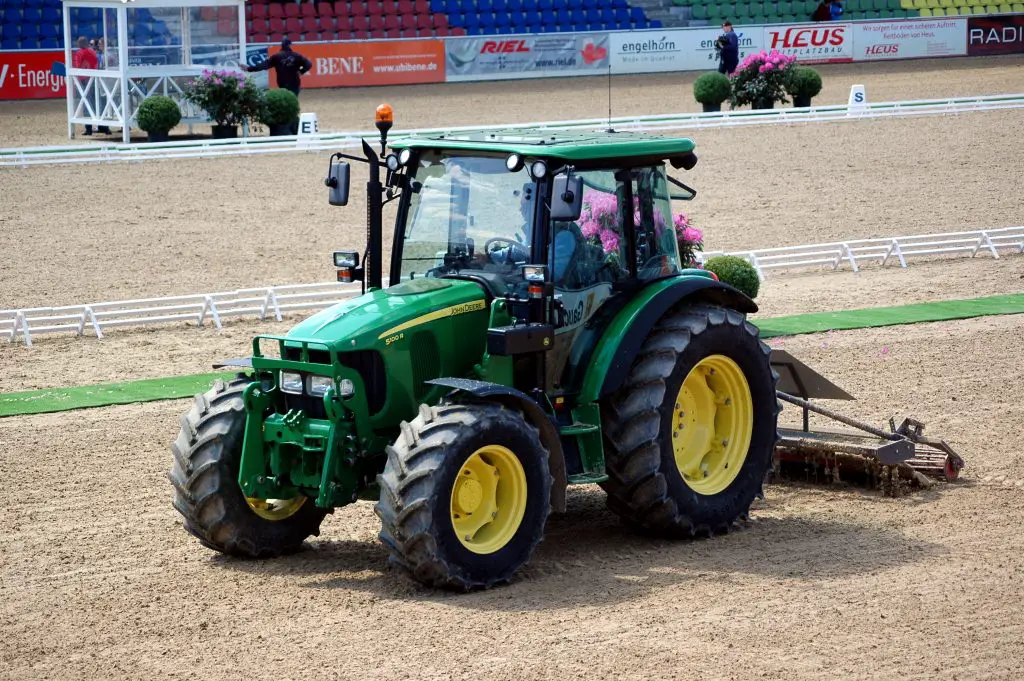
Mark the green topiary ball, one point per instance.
(735, 271)
(712, 88)
(803, 82)
(158, 114)
(280, 107)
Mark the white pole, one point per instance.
(122, 51)
(68, 85)
(243, 56)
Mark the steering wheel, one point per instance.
(662, 263)
(503, 240)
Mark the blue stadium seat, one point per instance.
(10, 31)
(578, 17)
(545, 4)
(636, 14)
(530, 6)
(452, 7)
(456, 19)
(563, 16)
(49, 31)
(471, 21)
(514, 6)
(573, 4)
(52, 3)
(502, 20)
(593, 16)
(9, 44)
(484, 6)
(487, 21)
(52, 15)
(50, 44)
(519, 23)
(607, 16)
(438, 6)
(499, 6)
(504, 30)
(29, 44)
(547, 17)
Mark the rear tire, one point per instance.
(453, 461)
(646, 424)
(207, 455)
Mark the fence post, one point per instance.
(849, 256)
(899, 254)
(991, 246)
(20, 317)
(212, 306)
(277, 308)
(757, 266)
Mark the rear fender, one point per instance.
(621, 341)
(514, 399)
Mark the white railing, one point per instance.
(104, 153)
(857, 252)
(271, 301)
(276, 300)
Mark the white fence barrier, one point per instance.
(23, 157)
(261, 302)
(860, 251)
(276, 300)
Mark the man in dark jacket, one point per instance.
(289, 66)
(728, 49)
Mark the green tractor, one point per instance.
(538, 331)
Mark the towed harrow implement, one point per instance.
(875, 456)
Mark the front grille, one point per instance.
(367, 363)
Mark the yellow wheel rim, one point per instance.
(712, 424)
(488, 499)
(275, 509)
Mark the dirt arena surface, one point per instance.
(99, 580)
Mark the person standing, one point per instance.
(823, 12)
(289, 67)
(836, 12)
(728, 49)
(86, 58)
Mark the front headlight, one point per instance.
(318, 385)
(291, 382)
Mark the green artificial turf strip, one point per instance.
(148, 390)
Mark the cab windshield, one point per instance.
(470, 215)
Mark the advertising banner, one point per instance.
(995, 35)
(27, 75)
(539, 56)
(357, 63)
(910, 39)
(812, 43)
(681, 50)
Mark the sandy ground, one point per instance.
(98, 578)
(169, 350)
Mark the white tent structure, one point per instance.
(152, 47)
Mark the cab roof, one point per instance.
(564, 145)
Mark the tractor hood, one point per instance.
(380, 316)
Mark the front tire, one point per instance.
(207, 455)
(464, 496)
(689, 436)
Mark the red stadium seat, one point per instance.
(259, 11)
(361, 23)
(392, 34)
(248, 11)
(325, 9)
(377, 35)
(374, 7)
(275, 10)
(360, 35)
(226, 13)
(421, 7)
(260, 26)
(307, 9)
(358, 7)
(391, 22)
(343, 23)
(260, 38)
(340, 9)
(376, 22)
(277, 25)
(390, 7)
(208, 14)
(275, 38)
(309, 25)
(293, 25)
(458, 31)
(405, 7)
(228, 28)
(440, 21)
(329, 24)
(407, 34)
(423, 21)
(407, 22)
(291, 10)
(439, 32)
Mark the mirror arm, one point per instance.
(682, 186)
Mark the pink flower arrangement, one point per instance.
(598, 224)
(760, 79)
(227, 96)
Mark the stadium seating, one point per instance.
(33, 24)
(712, 12)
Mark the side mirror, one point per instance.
(338, 181)
(567, 198)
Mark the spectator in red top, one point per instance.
(86, 58)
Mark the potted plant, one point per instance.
(599, 226)
(157, 115)
(280, 112)
(803, 84)
(227, 97)
(760, 80)
(735, 271)
(711, 89)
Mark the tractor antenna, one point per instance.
(610, 129)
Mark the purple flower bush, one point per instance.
(761, 78)
(228, 97)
